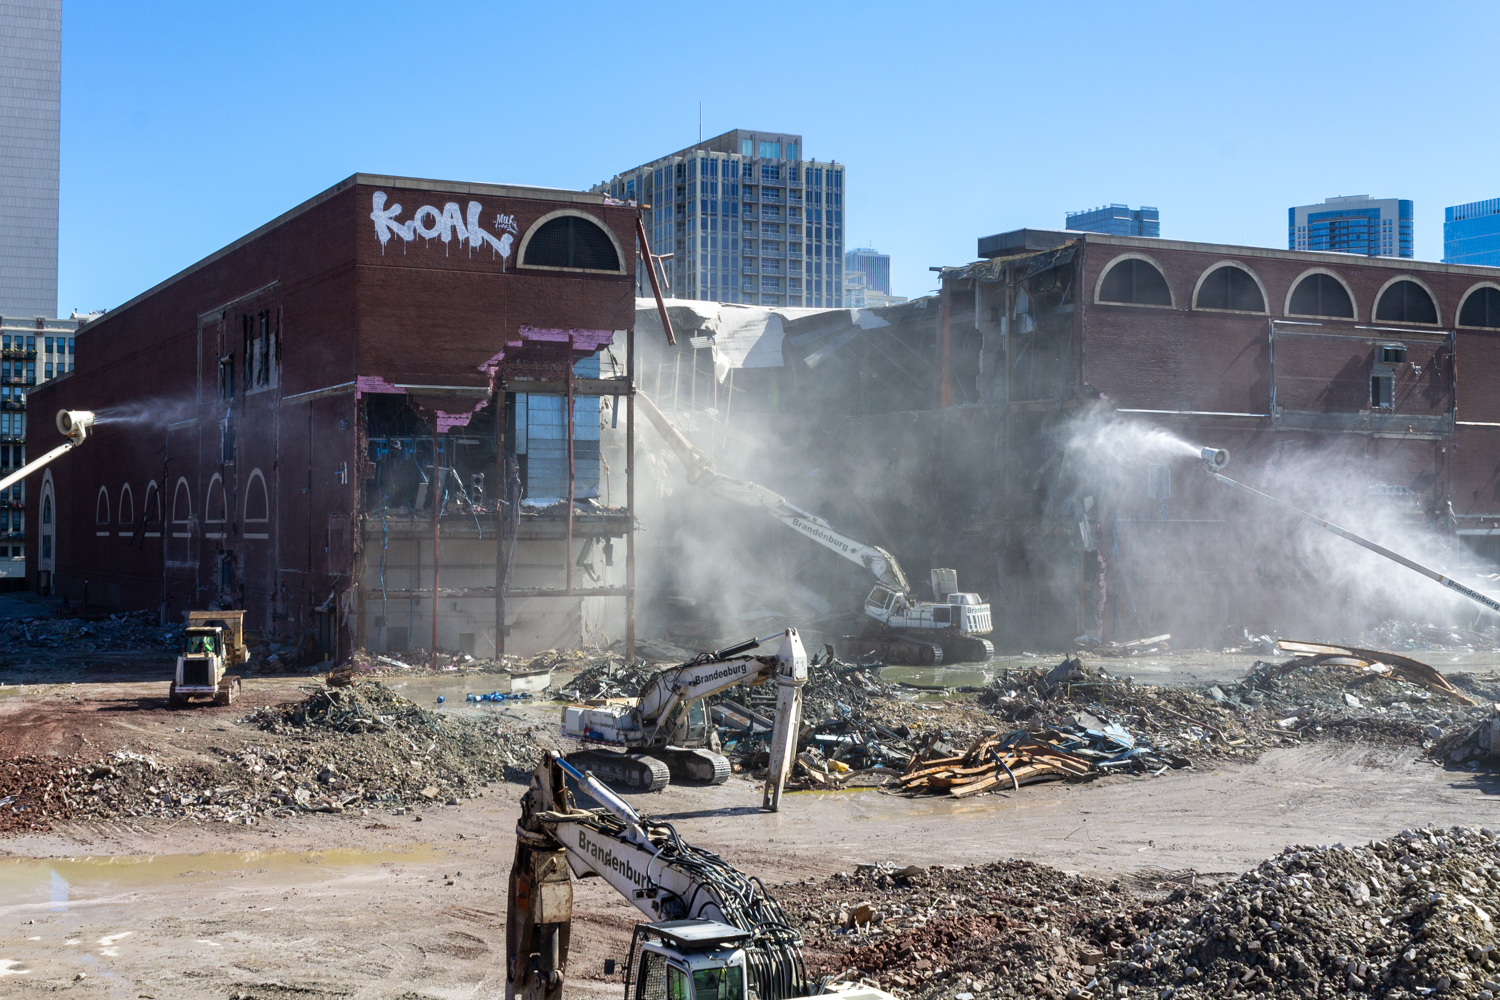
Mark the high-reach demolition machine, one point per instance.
(713, 933)
(948, 629)
(663, 735)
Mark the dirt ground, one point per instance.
(379, 905)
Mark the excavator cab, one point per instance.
(687, 960)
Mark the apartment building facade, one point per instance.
(1375, 227)
(744, 218)
(1471, 233)
(1116, 220)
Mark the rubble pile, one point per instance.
(1407, 635)
(1075, 696)
(1402, 917)
(128, 631)
(612, 678)
(837, 690)
(1011, 928)
(350, 748)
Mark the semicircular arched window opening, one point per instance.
(1230, 287)
(1406, 302)
(1481, 308)
(573, 242)
(1133, 281)
(1321, 295)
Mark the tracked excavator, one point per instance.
(712, 932)
(662, 735)
(905, 630)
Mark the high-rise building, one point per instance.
(1117, 220)
(874, 265)
(30, 101)
(1375, 227)
(1471, 233)
(745, 218)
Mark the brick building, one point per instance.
(1363, 388)
(296, 423)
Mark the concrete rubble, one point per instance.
(1404, 917)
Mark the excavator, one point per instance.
(662, 734)
(949, 629)
(712, 933)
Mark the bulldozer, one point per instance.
(213, 643)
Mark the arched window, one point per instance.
(1405, 301)
(46, 510)
(153, 503)
(182, 503)
(257, 509)
(127, 505)
(1230, 287)
(570, 241)
(1321, 294)
(1481, 308)
(101, 507)
(1134, 281)
(216, 510)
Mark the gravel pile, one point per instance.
(351, 748)
(1405, 917)
(1401, 917)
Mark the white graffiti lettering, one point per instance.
(430, 222)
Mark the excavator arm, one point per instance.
(700, 472)
(645, 862)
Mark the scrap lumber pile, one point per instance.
(995, 762)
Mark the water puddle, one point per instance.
(936, 677)
(56, 882)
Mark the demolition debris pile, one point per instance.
(358, 747)
(1402, 917)
(129, 631)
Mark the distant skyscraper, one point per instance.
(30, 99)
(1375, 227)
(874, 265)
(1117, 220)
(745, 218)
(1471, 233)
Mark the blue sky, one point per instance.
(186, 125)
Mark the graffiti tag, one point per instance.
(446, 224)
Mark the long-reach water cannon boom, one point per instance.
(1215, 459)
(73, 425)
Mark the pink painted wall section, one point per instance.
(583, 340)
(374, 383)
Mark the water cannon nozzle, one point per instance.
(74, 424)
(1215, 459)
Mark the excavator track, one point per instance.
(966, 649)
(695, 767)
(623, 772)
(902, 650)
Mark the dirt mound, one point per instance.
(1397, 918)
(349, 748)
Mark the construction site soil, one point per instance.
(355, 841)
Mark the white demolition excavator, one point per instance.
(949, 629)
(663, 735)
(713, 933)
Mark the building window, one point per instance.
(1481, 308)
(1133, 281)
(1230, 287)
(573, 242)
(1406, 302)
(1382, 391)
(1393, 354)
(1321, 295)
(770, 150)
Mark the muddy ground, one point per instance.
(371, 903)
